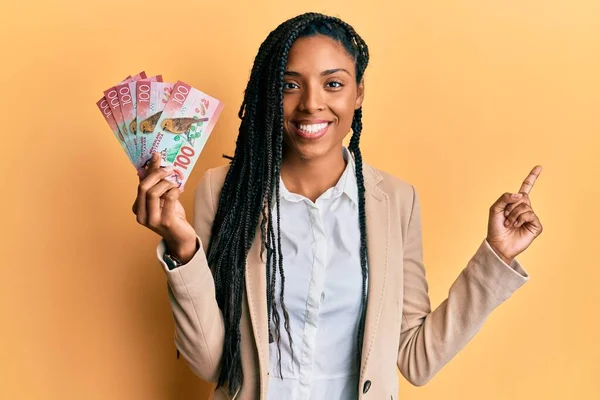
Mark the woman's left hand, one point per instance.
(512, 223)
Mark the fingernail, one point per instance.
(506, 213)
(506, 223)
(516, 195)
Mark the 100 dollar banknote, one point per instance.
(107, 113)
(112, 97)
(127, 100)
(151, 99)
(183, 128)
(110, 119)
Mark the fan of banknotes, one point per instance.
(148, 115)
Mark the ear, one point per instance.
(360, 94)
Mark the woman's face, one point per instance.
(320, 95)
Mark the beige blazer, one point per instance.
(401, 331)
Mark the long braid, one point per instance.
(252, 184)
(354, 148)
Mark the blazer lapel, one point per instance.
(377, 220)
(377, 223)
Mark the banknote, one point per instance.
(108, 116)
(136, 77)
(127, 101)
(141, 75)
(183, 128)
(106, 111)
(151, 100)
(112, 98)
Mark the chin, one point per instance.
(310, 150)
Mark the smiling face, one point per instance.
(320, 95)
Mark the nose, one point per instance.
(312, 99)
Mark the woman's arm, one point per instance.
(428, 340)
(199, 326)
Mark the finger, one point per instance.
(153, 202)
(525, 199)
(135, 207)
(507, 198)
(156, 159)
(153, 163)
(155, 176)
(537, 225)
(528, 216)
(527, 184)
(146, 185)
(514, 215)
(171, 198)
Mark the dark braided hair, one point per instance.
(252, 183)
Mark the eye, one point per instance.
(334, 84)
(289, 85)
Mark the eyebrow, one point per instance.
(324, 73)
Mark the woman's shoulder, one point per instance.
(218, 174)
(212, 181)
(390, 184)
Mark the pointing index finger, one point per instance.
(530, 180)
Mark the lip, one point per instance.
(314, 136)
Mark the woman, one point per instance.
(334, 224)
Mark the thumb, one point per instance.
(504, 200)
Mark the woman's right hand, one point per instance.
(157, 207)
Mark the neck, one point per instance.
(312, 177)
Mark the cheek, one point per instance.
(289, 105)
(343, 108)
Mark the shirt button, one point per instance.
(366, 386)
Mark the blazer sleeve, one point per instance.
(429, 339)
(199, 324)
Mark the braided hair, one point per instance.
(253, 178)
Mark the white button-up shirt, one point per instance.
(323, 288)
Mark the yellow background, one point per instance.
(463, 98)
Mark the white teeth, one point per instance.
(313, 128)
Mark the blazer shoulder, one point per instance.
(402, 198)
(213, 179)
(218, 175)
(396, 188)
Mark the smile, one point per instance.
(311, 131)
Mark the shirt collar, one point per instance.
(346, 184)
